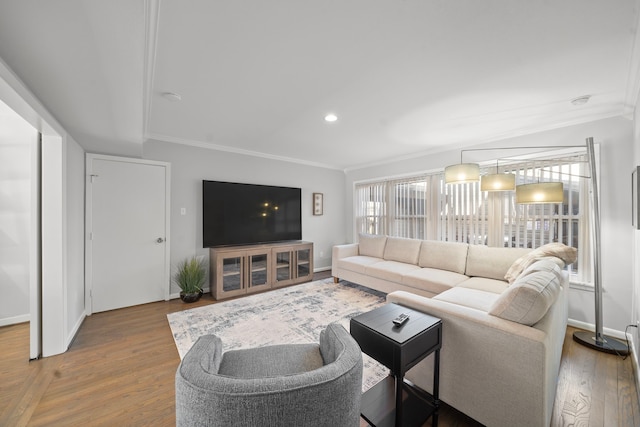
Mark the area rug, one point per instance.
(294, 314)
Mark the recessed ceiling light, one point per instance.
(330, 117)
(581, 100)
(172, 96)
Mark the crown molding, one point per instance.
(624, 112)
(217, 147)
(151, 20)
(633, 77)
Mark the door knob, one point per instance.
(160, 240)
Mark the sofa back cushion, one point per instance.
(371, 245)
(528, 299)
(485, 261)
(450, 256)
(402, 250)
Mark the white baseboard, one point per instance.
(75, 329)
(591, 327)
(319, 269)
(15, 320)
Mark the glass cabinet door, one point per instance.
(258, 269)
(231, 274)
(303, 264)
(283, 266)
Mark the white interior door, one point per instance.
(127, 227)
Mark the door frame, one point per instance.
(89, 221)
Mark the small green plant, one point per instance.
(190, 275)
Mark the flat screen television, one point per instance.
(242, 214)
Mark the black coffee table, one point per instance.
(394, 402)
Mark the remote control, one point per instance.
(401, 319)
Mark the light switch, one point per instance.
(183, 211)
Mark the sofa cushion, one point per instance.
(551, 264)
(432, 279)
(371, 245)
(527, 300)
(485, 261)
(566, 253)
(271, 361)
(484, 284)
(472, 298)
(450, 256)
(390, 270)
(402, 250)
(357, 263)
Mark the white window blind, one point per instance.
(408, 206)
(371, 208)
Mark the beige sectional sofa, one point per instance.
(504, 315)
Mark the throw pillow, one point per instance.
(528, 299)
(566, 253)
(372, 245)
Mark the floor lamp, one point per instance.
(468, 172)
(597, 340)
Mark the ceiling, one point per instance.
(404, 77)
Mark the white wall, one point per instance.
(190, 165)
(16, 139)
(62, 242)
(74, 234)
(615, 136)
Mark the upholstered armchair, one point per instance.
(279, 385)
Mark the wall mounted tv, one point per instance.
(241, 214)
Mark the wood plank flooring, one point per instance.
(120, 371)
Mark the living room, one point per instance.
(617, 134)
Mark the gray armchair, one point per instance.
(280, 385)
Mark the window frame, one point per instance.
(488, 226)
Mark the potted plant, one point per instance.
(190, 277)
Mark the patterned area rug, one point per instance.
(294, 314)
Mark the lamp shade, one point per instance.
(541, 192)
(498, 182)
(462, 172)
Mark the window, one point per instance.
(424, 207)
(371, 208)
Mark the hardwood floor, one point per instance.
(120, 371)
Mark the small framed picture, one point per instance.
(317, 203)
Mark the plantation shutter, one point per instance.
(371, 208)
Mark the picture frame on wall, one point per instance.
(317, 203)
(635, 189)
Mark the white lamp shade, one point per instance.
(498, 182)
(462, 172)
(541, 192)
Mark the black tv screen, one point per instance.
(240, 214)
